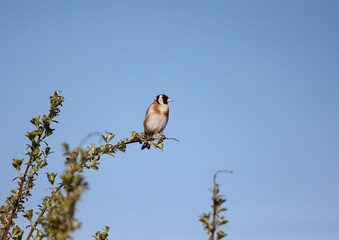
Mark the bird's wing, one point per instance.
(148, 110)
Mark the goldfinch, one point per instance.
(156, 117)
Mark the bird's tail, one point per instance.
(145, 145)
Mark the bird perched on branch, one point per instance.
(156, 117)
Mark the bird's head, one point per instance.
(163, 99)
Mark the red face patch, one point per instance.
(165, 98)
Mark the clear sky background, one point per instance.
(255, 87)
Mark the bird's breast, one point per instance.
(156, 123)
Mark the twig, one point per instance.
(214, 227)
(88, 137)
(220, 171)
(144, 140)
(172, 139)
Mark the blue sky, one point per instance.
(255, 88)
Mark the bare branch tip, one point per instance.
(221, 171)
(172, 139)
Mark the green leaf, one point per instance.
(17, 233)
(31, 135)
(106, 229)
(105, 149)
(51, 177)
(47, 150)
(94, 165)
(110, 136)
(102, 235)
(14, 179)
(66, 149)
(222, 209)
(221, 234)
(220, 201)
(92, 148)
(17, 163)
(224, 221)
(29, 214)
(36, 121)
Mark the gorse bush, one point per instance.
(54, 217)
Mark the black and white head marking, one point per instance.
(162, 99)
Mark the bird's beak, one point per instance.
(169, 100)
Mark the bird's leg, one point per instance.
(150, 138)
